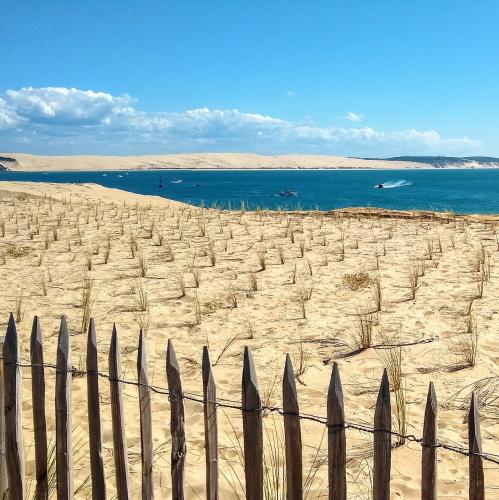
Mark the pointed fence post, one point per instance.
(94, 424)
(429, 450)
(145, 419)
(336, 438)
(14, 450)
(177, 423)
(119, 434)
(252, 430)
(64, 457)
(292, 433)
(382, 442)
(210, 427)
(4, 484)
(476, 487)
(39, 421)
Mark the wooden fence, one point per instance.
(12, 474)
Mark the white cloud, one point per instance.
(70, 121)
(65, 106)
(8, 117)
(289, 93)
(353, 117)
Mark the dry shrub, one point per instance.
(86, 302)
(195, 274)
(197, 310)
(88, 260)
(363, 337)
(141, 298)
(231, 297)
(392, 360)
(142, 264)
(292, 272)
(211, 253)
(301, 248)
(261, 260)
(280, 254)
(413, 280)
(253, 282)
(168, 254)
(300, 357)
(466, 349)
(107, 252)
(377, 295)
(15, 251)
(43, 284)
(179, 279)
(303, 295)
(357, 281)
(19, 305)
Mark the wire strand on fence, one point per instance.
(236, 405)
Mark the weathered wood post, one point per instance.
(63, 380)
(429, 451)
(476, 487)
(382, 442)
(252, 430)
(119, 435)
(94, 424)
(4, 483)
(210, 427)
(145, 419)
(292, 434)
(177, 423)
(336, 438)
(39, 421)
(14, 450)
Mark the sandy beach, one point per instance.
(201, 161)
(342, 286)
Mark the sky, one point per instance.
(351, 78)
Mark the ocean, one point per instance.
(460, 191)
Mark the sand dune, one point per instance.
(195, 161)
(297, 283)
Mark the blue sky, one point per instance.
(356, 78)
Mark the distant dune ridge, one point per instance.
(28, 162)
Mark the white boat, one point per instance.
(176, 181)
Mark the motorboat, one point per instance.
(288, 194)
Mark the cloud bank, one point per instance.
(56, 120)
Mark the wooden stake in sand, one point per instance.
(292, 433)
(429, 450)
(336, 438)
(94, 425)
(38, 399)
(64, 455)
(177, 423)
(382, 442)
(145, 419)
(252, 430)
(210, 427)
(13, 412)
(119, 435)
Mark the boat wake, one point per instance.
(394, 184)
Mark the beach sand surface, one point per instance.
(297, 283)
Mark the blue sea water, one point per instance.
(462, 191)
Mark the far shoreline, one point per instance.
(22, 162)
(256, 169)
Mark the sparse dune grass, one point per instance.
(320, 286)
